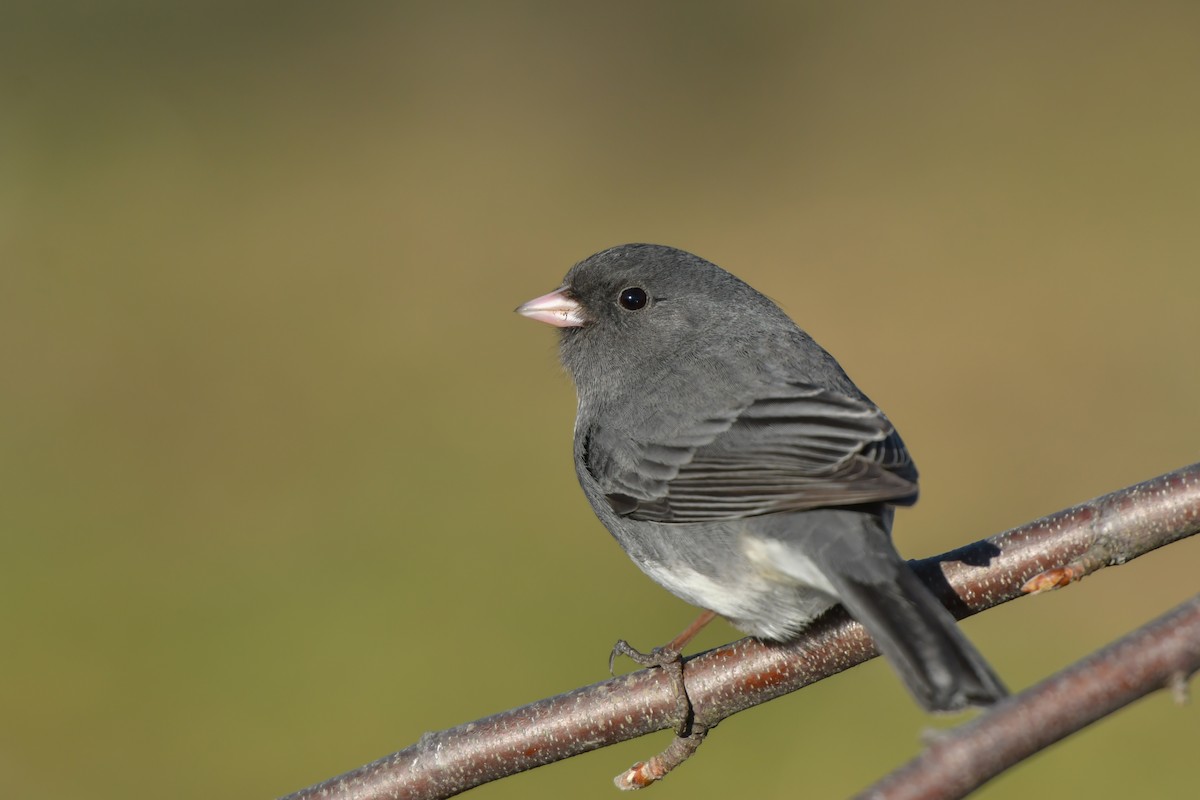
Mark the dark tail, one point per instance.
(915, 633)
(920, 639)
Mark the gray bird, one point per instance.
(739, 467)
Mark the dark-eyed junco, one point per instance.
(738, 465)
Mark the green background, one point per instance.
(284, 482)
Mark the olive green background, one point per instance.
(284, 482)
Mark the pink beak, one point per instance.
(554, 309)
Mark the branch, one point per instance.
(1161, 654)
(1048, 553)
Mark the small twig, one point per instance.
(645, 773)
(1110, 530)
(1157, 656)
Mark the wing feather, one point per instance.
(801, 447)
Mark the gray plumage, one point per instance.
(738, 465)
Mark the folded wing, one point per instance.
(801, 447)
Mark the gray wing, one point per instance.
(800, 448)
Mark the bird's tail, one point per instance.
(919, 638)
(852, 549)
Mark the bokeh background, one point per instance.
(284, 482)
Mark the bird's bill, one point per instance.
(556, 308)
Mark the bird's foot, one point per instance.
(670, 661)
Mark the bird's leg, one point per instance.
(679, 642)
(669, 657)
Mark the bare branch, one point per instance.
(1050, 552)
(1160, 655)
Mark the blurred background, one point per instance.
(285, 482)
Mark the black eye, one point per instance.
(632, 298)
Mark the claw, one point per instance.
(622, 647)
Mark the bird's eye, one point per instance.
(632, 299)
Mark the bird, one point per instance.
(739, 467)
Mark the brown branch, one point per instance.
(1160, 655)
(1044, 554)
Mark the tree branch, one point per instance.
(1048, 553)
(1161, 654)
